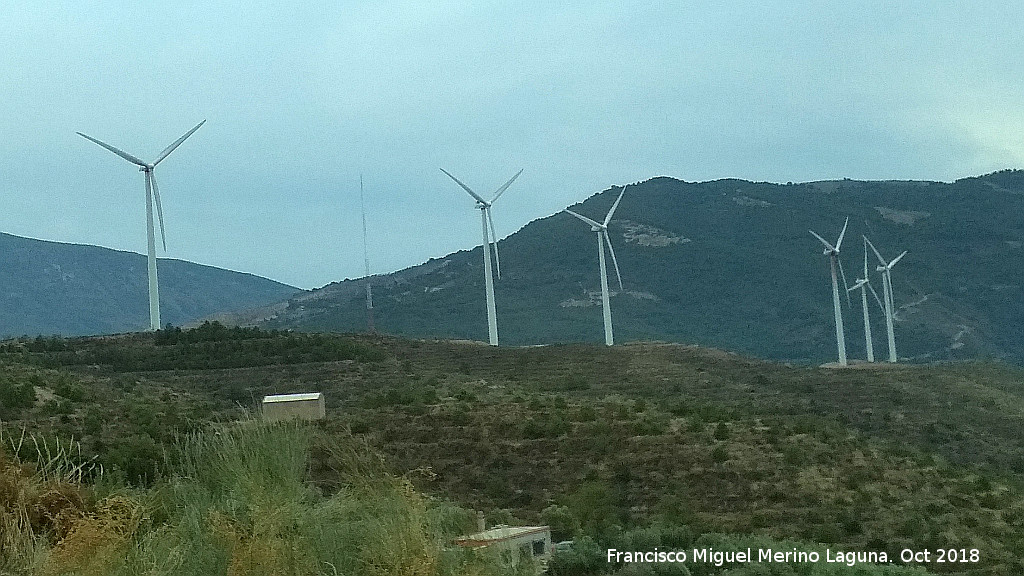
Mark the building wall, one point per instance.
(533, 547)
(524, 548)
(301, 409)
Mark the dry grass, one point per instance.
(40, 500)
(239, 504)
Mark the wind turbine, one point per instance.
(602, 237)
(366, 260)
(864, 284)
(151, 192)
(833, 253)
(886, 270)
(485, 215)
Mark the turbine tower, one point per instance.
(864, 284)
(485, 215)
(833, 253)
(366, 260)
(886, 270)
(151, 192)
(602, 237)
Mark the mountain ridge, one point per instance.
(79, 289)
(727, 263)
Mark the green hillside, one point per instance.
(728, 264)
(642, 445)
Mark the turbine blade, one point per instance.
(176, 143)
(466, 188)
(584, 218)
(614, 261)
(857, 285)
(505, 187)
(608, 218)
(823, 241)
(875, 250)
(843, 233)
(159, 208)
(877, 299)
(897, 259)
(849, 303)
(117, 151)
(494, 240)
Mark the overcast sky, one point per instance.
(303, 97)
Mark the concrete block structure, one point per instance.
(308, 406)
(514, 544)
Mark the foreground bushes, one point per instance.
(238, 503)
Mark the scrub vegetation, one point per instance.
(236, 500)
(633, 447)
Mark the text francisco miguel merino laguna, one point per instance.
(721, 557)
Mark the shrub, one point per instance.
(70, 390)
(564, 524)
(586, 414)
(585, 558)
(597, 507)
(138, 457)
(15, 396)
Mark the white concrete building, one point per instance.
(308, 406)
(514, 543)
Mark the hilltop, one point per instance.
(728, 264)
(74, 289)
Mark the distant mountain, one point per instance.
(730, 264)
(73, 289)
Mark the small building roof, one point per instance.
(292, 397)
(499, 534)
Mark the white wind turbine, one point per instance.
(886, 270)
(865, 284)
(602, 238)
(833, 253)
(485, 215)
(151, 192)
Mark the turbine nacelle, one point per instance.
(884, 266)
(831, 250)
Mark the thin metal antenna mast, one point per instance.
(366, 260)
